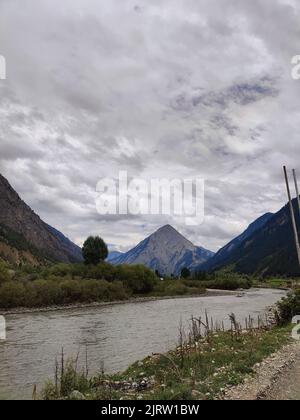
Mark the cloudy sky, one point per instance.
(169, 88)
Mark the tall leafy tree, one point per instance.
(94, 250)
(185, 273)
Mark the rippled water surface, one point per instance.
(117, 335)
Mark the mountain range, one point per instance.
(24, 237)
(224, 254)
(267, 247)
(166, 251)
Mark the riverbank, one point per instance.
(206, 369)
(276, 378)
(54, 308)
(114, 336)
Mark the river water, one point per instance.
(115, 335)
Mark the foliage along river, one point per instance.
(116, 335)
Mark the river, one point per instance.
(115, 335)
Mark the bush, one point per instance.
(67, 379)
(12, 294)
(71, 290)
(103, 271)
(289, 307)
(59, 292)
(225, 280)
(60, 270)
(61, 284)
(177, 288)
(46, 293)
(137, 278)
(4, 273)
(117, 291)
(227, 284)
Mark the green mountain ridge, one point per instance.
(270, 250)
(23, 230)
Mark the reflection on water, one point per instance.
(117, 335)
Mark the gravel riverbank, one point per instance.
(276, 378)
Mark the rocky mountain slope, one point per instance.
(166, 251)
(269, 250)
(222, 256)
(24, 236)
(113, 255)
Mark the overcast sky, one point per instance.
(185, 88)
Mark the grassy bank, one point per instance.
(65, 284)
(276, 283)
(200, 370)
(207, 361)
(72, 284)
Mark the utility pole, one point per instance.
(297, 189)
(292, 209)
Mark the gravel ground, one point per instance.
(277, 378)
(288, 387)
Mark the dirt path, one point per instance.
(288, 387)
(276, 378)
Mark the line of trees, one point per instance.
(72, 283)
(96, 280)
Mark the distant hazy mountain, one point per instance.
(167, 251)
(113, 255)
(222, 256)
(269, 250)
(25, 237)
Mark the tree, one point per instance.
(185, 273)
(201, 275)
(94, 250)
(4, 272)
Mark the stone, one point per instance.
(76, 395)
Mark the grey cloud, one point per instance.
(241, 94)
(161, 89)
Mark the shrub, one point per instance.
(176, 288)
(67, 380)
(117, 291)
(79, 271)
(289, 307)
(71, 290)
(61, 284)
(44, 292)
(4, 273)
(60, 270)
(227, 284)
(225, 280)
(103, 271)
(137, 278)
(12, 294)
